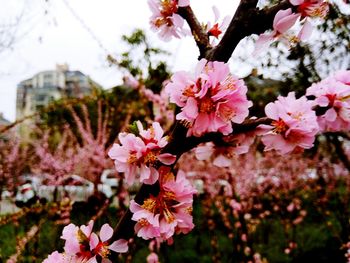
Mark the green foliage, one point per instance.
(317, 236)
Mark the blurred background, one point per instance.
(74, 73)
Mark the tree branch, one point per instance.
(247, 20)
(199, 35)
(340, 151)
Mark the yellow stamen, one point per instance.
(149, 204)
(280, 126)
(150, 159)
(143, 222)
(169, 217)
(206, 105)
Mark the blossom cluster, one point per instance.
(286, 19)
(210, 99)
(141, 154)
(294, 124)
(165, 19)
(168, 23)
(333, 94)
(167, 213)
(83, 245)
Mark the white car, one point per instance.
(109, 177)
(25, 192)
(75, 187)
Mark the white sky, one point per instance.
(58, 37)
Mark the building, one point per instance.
(37, 92)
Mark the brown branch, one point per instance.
(199, 35)
(247, 20)
(13, 124)
(177, 145)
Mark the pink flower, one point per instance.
(211, 99)
(169, 212)
(282, 22)
(333, 93)
(236, 206)
(294, 124)
(165, 19)
(100, 245)
(147, 225)
(55, 257)
(77, 240)
(311, 8)
(152, 258)
(82, 245)
(72, 245)
(141, 154)
(222, 155)
(343, 76)
(217, 28)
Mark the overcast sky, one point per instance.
(48, 33)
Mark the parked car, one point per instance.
(109, 177)
(73, 186)
(25, 195)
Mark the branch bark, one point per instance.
(247, 20)
(199, 35)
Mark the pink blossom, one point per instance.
(152, 258)
(217, 28)
(294, 124)
(221, 155)
(211, 99)
(333, 93)
(165, 19)
(343, 76)
(77, 240)
(236, 206)
(100, 245)
(311, 8)
(55, 257)
(282, 22)
(167, 213)
(82, 245)
(141, 154)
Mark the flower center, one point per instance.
(215, 31)
(163, 21)
(168, 7)
(189, 92)
(143, 222)
(132, 158)
(331, 98)
(229, 83)
(149, 204)
(102, 250)
(280, 126)
(150, 159)
(169, 195)
(189, 210)
(313, 10)
(206, 105)
(169, 217)
(226, 113)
